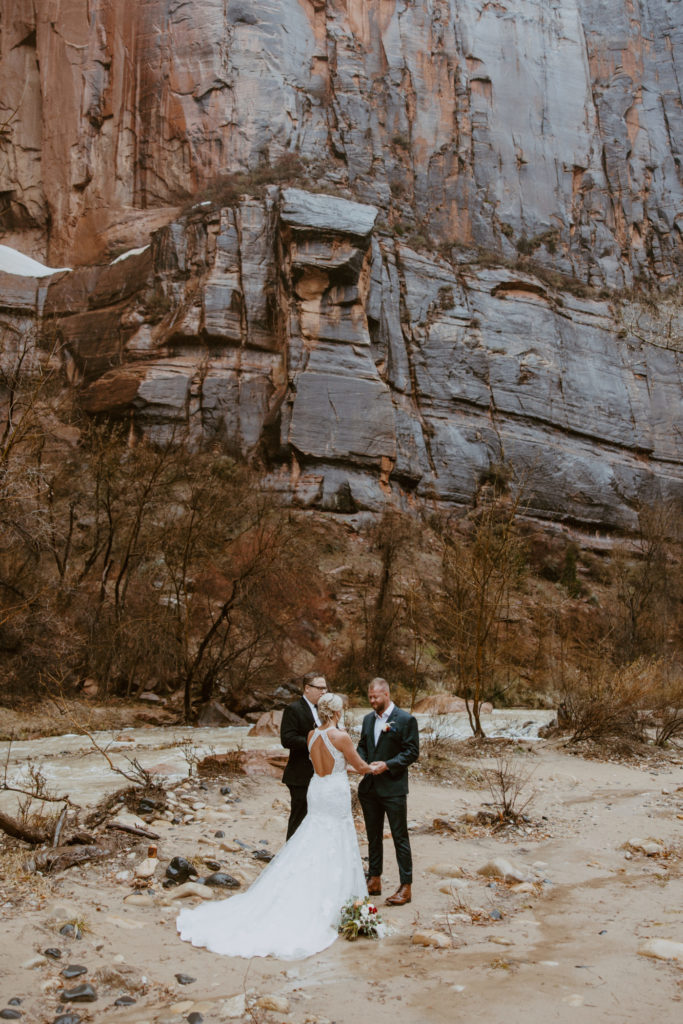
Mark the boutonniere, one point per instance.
(389, 727)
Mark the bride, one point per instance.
(292, 910)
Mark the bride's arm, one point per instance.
(342, 741)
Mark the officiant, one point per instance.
(297, 721)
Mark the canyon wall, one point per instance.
(357, 369)
(548, 126)
(446, 289)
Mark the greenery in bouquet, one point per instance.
(360, 917)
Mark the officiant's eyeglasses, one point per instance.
(314, 686)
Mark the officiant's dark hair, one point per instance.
(380, 683)
(310, 678)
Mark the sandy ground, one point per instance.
(564, 949)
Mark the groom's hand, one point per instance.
(378, 767)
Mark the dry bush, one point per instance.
(508, 785)
(606, 702)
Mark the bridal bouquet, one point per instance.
(360, 917)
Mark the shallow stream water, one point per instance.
(73, 766)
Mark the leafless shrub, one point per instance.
(508, 786)
(605, 701)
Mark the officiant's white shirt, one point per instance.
(380, 721)
(316, 716)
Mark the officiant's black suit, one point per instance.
(297, 722)
(398, 745)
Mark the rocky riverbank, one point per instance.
(570, 906)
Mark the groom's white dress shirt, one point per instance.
(381, 720)
(316, 716)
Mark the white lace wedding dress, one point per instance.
(292, 909)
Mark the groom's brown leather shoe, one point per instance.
(374, 885)
(402, 896)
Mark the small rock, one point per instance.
(220, 834)
(123, 876)
(194, 1018)
(662, 949)
(14, 1001)
(439, 940)
(225, 791)
(450, 888)
(264, 855)
(522, 887)
(278, 1004)
(198, 805)
(81, 994)
(74, 971)
(496, 915)
(222, 879)
(230, 847)
(234, 1007)
(499, 940)
(70, 930)
(179, 870)
(67, 1018)
(499, 867)
(191, 889)
(215, 865)
(650, 847)
(446, 870)
(184, 979)
(35, 961)
(10, 1014)
(53, 952)
(139, 899)
(125, 1001)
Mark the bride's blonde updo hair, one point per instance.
(328, 706)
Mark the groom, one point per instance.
(389, 738)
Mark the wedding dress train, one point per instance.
(292, 910)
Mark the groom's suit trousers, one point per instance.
(395, 808)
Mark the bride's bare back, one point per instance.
(323, 761)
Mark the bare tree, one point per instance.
(482, 563)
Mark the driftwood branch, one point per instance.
(132, 830)
(11, 827)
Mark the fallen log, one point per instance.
(62, 857)
(17, 830)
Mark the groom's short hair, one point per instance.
(379, 684)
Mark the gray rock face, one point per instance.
(550, 127)
(365, 371)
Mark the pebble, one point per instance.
(499, 940)
(450, 888)
(191, 889)
(184, 979)
(139, 899)
(650, 847)
(446, 870)
(499, 867)
(74, 971)
(53, 952)
(10, 1014)
(67, 1018)
(179, 870)
(81, 994)
(195, 1018)
(222, 879)
(35, 961)
(234, 1007)
(215, 865)
(496, 915)
(662, 949)
(264, 855)
(278, 1004)
(70, 930)
(220, 834)
(125, 1001)
(123, 876)
(225, 791)
(439, 940)
(14, 1001)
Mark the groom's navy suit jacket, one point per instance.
(398, 745)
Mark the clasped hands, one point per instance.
(377, 767)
